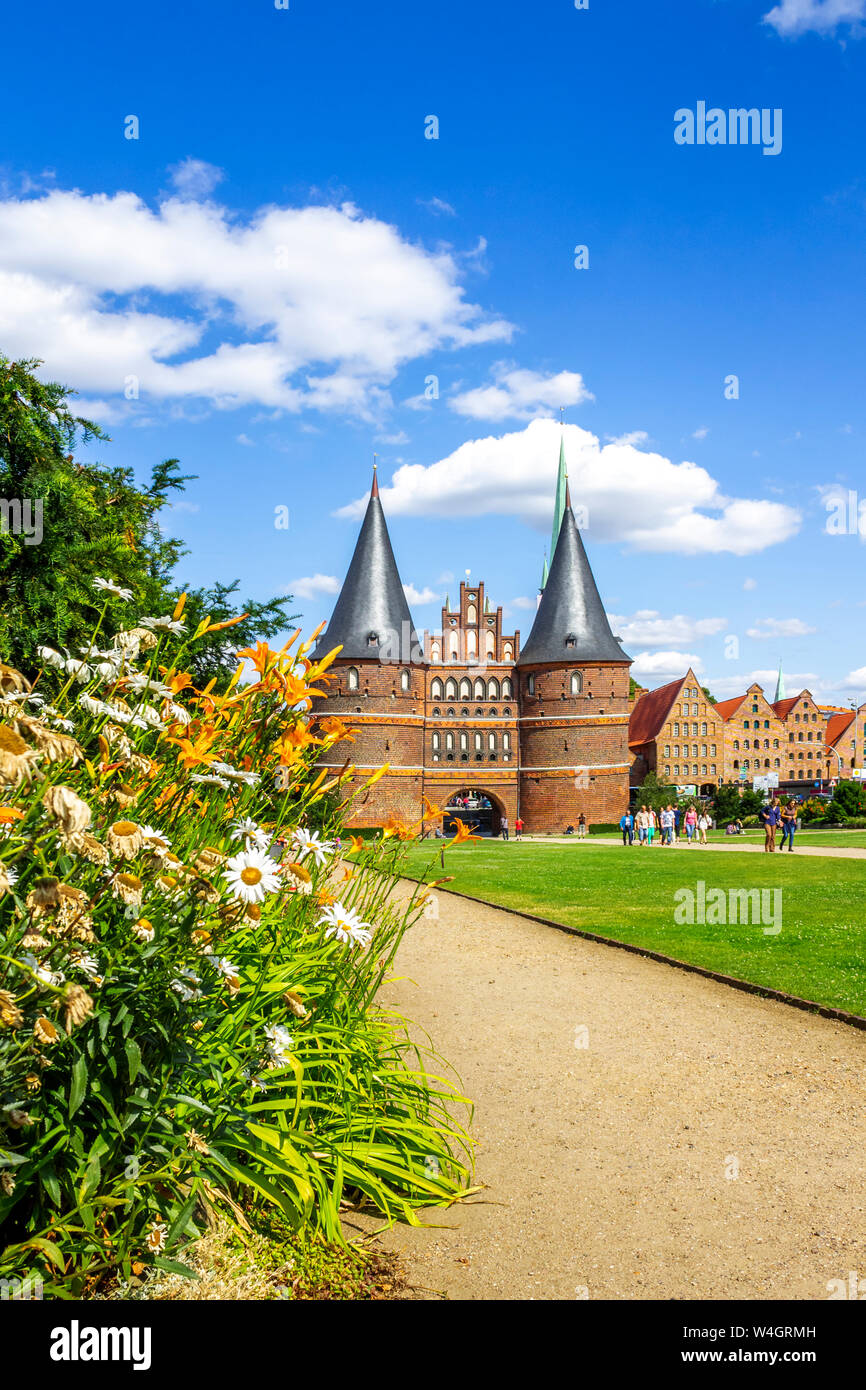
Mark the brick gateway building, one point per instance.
(541, 731)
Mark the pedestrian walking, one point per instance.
(667, 824)
(789, 825)
(581, 826)
(691, 823)
(626, 825)
(767, 816)
(703, 826)
(676, 823)
(503, 826)
(518, 829)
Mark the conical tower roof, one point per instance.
(570, 624)
(371, 610)
(780, 684)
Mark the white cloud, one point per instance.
(245, 439)
(519, 394)
(292, 307)
(779, 627)
(425, 595)
(640, 498)
(446, 577)
(750, 583)
(195, 178)
(312, 585)
(793, 17)
(725, 687)
(701, 433)
(522, 603)
(438, 206)
(657, 668)
(649, 628)
(855, 681)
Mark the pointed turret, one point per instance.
(371, 612)
(559, 503)
(571, 624)
(780, 685)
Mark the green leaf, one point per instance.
(79, 1083)
(133, 1057)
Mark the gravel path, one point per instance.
(608, 1168)
(734, 847)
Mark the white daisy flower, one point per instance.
(139, 683)
(60, 723)
(155, 841)
(106, 586)
(205, 779)
(10, 874)
(49, 977)
(251, 875)
(79, 669)
(163, 624)
(279, 1043)
(151, 716)
(310, 842)
(88, 964)
(187, 986)
(245, 828)
(345, 924)
(50, 657)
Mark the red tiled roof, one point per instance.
(783, 707)
(650, 712)
(726, 708)
(836, 726)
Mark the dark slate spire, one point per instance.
(371, 617)
(571, 624)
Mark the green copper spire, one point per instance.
(447, 604)
(544, 571)
(558, 500)
(780, 685)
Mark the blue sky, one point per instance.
(264, 280)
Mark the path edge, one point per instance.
(746, 986)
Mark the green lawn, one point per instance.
(837, 839)
(819, 953)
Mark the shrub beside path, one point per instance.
(609, 1167)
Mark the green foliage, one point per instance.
(735, 802)
(655, 794)
(166, 1047)
(95, 521)
(849, 799)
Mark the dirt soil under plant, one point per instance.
(642, 1132)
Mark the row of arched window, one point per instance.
(451, 743)
(469, 646)
(468, 690)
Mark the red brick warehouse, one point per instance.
(541, 731)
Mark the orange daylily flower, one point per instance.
(179, 607)
(357, 843)
(8, 814)
(194, 752)
(431, 812)
(464, 832)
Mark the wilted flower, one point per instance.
(43, 895)
(124, 795)
(17, 1119)
(77, 1006)
(229, 973)
(251, 875)
(186, 985)
(143, 929)
(195, 1142)
(63, 805)
(345, 924)
(45, 1032)
(296, 1004)
(8, 878)
(58, 748)
(88, 847)
(33, 1082)
(10, 1014)
(128, 888)
(16, 757)
(124, 839)
(7, 1184)
(10, 679)
(79, 669)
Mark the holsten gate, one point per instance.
(541, 729)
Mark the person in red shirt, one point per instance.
(518, 829)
